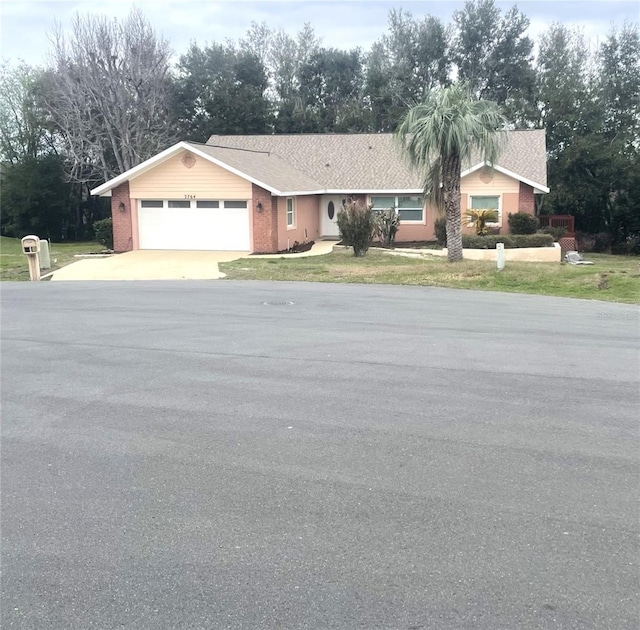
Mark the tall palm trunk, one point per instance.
(451, 199)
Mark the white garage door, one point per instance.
(194, 225)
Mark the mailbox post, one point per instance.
(31, 247)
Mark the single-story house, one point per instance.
(263, 193)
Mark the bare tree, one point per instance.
(109, 93)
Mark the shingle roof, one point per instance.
(263, 166)
(352, 162)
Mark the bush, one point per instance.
(511, 241)
(630, 247)
(103, 231)
(602, 243)
(356, 224)
(522, 223)
(440, 229)
(387, 224)
(556, 232)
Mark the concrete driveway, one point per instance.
(165, 265)
(149, 265)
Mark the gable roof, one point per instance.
(343, 163)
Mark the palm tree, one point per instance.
(440, 135)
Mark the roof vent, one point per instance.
(327, 164)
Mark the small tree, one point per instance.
(356, 224)
(387, 224)
(480, 218)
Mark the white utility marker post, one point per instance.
(500, 256)
(31, 247)
(45, 257)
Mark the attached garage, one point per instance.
(194, 225)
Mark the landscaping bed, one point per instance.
(297, 248)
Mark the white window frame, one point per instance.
(235, 201)
(422, 221)
(498, 223)
(291, 224)
(193, 203)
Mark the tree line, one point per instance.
(112, 97)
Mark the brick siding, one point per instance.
(265, 221)
(122, 230)
(526, 202)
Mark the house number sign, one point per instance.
(189, 196)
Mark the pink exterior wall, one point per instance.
(307, 221)
(415, 232)
(510, 203)
(122, 220)
(269, 231)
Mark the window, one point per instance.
(383, 203)
(291, 219)
(151, 203)
(207, 204)
(235, 204)
(487, 203)
(410, 207)
(179, 204)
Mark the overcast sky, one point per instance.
(345, 24)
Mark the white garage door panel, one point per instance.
(194, 228)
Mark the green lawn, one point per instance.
(13, 263)
(622, 283)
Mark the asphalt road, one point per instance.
(181, 455)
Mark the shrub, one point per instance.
(602, 242)
(480, 218)
(556, 232)
(356, 224)
(511, 241)
(386, 226)
(440, 229)
(522, 223)
(103, 231)
(630, 247)
(584, 242)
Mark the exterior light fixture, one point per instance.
(122, 207)
(259, 206)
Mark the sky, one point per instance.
(26, 24)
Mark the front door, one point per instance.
(329, 207)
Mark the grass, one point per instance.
(623, 274)
(13, 263)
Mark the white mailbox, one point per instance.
(31, 245)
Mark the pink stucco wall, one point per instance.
(307, 221)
